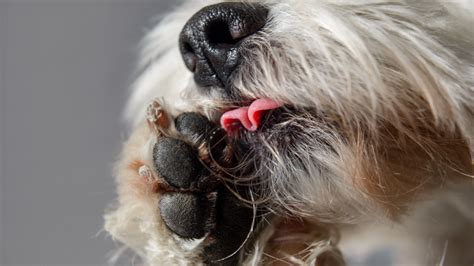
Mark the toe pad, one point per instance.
(176, 162)
(187, 215)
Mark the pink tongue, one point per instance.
(248, 116)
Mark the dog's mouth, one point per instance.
(248, 117)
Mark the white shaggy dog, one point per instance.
(367, 146)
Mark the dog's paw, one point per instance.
(188, 207)
(194, 201)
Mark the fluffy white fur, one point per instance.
(385, 100)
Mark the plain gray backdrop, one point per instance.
(65, 66)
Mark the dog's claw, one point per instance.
(145, 172)
(156, 116)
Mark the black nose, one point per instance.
(210, 41)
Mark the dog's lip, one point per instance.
(248, 116)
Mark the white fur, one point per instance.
(366, 63)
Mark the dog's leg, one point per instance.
(171, 180)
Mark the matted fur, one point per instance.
(382, 97)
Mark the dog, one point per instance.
(301, 132)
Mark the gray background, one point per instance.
(64, 71)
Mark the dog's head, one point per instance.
(338, 110)
(374, 103)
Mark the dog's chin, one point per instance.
(269, 155)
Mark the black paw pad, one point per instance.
(176, 162)
(187, 215)
(234, 220)
(192, 125)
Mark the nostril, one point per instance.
(189, 56)
(218, 33)
(212, 40)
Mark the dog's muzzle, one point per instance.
(211, 40)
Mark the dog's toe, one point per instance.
(187, 214)
(192, 125)
(176, 162)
